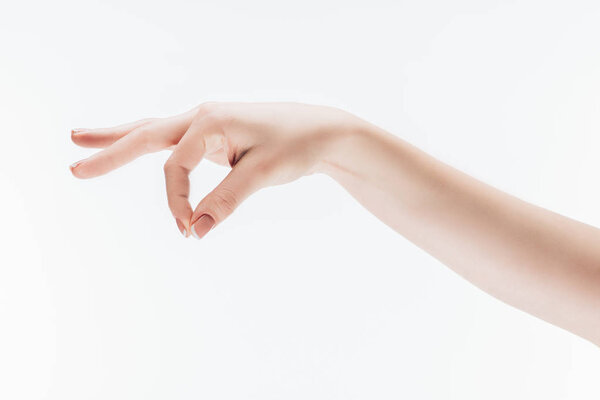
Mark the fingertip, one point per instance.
(77, 170)
(202, 226)
(76, 133)
(77, 136)
(75, 173)
(73, 167)
(182, 228)
(91, 138)
(88, 139)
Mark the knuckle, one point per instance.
(212, 119)
(169, 166)
(174, 167)
(211, 114)
(207, 108)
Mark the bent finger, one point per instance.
(185, 157)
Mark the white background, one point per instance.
(301, 294)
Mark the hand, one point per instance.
(263, 143)
(536, 260)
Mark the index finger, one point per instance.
(185, 157)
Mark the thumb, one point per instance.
(245, 178)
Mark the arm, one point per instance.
(541, 262)
(531, 258)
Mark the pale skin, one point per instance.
(534, 259)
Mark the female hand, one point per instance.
(534, 259)
(264, 143)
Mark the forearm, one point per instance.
(531, 258)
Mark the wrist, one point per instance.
(341, 147)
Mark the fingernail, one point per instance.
(77, 130)
(201, 227)
(72, 166)
(181, 227)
